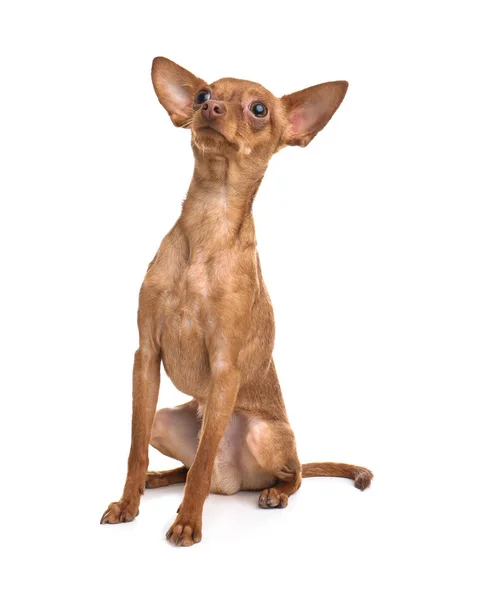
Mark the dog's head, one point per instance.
(237, 118)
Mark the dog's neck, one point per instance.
(217, 210)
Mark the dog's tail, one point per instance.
(360, 475)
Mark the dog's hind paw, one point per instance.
(154, 479)
(272, 498)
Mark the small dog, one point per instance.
(204, 310)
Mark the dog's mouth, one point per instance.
(208, 128)
(206, 131)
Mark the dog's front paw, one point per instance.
(185, 531)
(120, 512)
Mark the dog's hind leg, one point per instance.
(273, 446)
(157, 479)
(175, 432)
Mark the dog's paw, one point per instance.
(155, 479)
(185, 531)
(272, 498)
(119, 512)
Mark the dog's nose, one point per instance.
(213, 109)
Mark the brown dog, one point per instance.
(205, 312)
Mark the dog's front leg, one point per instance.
(187, 528)
(146, 383)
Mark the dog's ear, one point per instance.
(176, 89)
(309, 110)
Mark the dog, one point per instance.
(204, 310)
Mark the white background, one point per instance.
(381, 304)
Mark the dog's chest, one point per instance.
(189, 312)
(190, 301)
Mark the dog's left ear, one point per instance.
(309, 110)
(176, 89)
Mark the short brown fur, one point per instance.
(204, 310)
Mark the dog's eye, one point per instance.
(258, 109)
(202, 96)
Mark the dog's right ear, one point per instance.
(176, 89)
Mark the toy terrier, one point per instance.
(204, 310)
